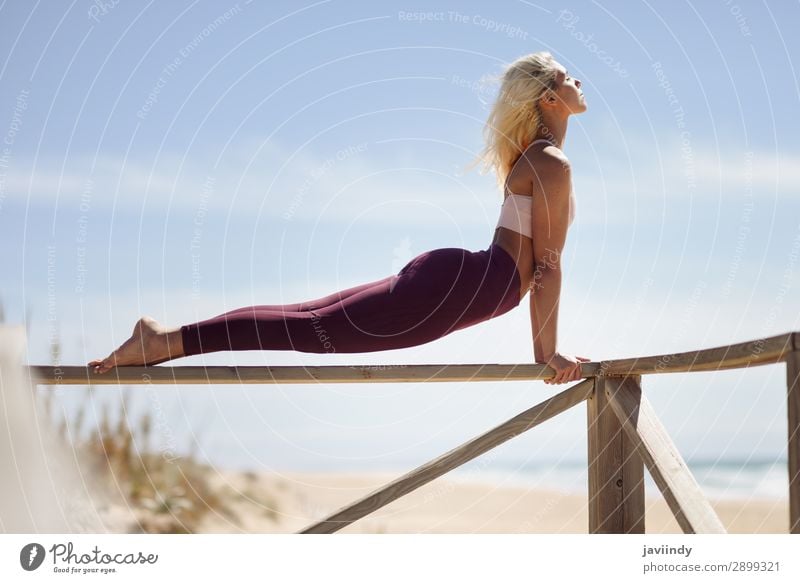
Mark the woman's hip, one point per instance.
(482, 282)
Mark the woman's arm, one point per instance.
(544, 315)
(551, 218)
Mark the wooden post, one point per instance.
(683, 496)
(793, 410)
(616, 472)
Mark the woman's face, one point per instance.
(568, 95)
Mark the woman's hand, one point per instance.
(568, 368)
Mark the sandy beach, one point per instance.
(285, 503)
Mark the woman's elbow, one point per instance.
(544, 272)
(548, 261)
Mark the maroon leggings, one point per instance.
(434, 294)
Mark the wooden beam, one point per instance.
(652, 442)
(616, 473)
(453, 459)
(390, 373)
(754, 353)
(793, 410)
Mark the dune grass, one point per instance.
(167, 493)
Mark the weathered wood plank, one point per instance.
(453, 459)
(390, 373)
(681, 492)
(616, 473)
(753, 353)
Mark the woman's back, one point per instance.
(514, 230)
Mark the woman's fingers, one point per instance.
(561, 376)
(574, 374)
(567, 373)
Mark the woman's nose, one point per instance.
(577, 83)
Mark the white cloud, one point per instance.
(339, 185)
(356, 182)
(668, 170)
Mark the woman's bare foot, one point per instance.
(149, 344)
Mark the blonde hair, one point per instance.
(515, 116)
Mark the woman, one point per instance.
(443, 290)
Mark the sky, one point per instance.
(183, 159)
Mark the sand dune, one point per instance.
(285, 503)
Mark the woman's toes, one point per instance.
(144, 346)
(102, 366)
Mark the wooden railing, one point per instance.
(624, 434)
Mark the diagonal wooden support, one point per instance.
(616, 473)
(453, 459)
(684, 497)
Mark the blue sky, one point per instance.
(182, 159)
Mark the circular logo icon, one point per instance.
(31, 556)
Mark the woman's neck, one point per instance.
(553, 130)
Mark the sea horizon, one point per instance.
(732, 478)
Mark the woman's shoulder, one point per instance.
(547, 161)
(544, 150)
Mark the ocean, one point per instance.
(719, 479)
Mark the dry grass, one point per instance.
(166, 493)
(162, 492)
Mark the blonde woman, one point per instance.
(443, 290)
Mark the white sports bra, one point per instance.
(516, 210)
